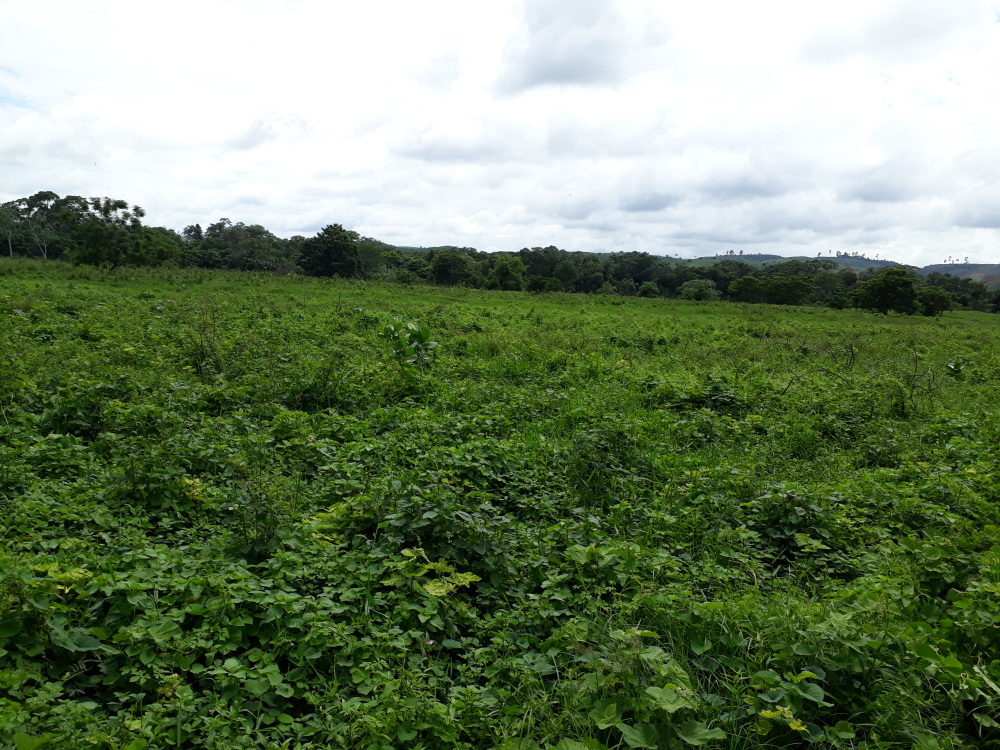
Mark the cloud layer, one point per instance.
(592, 125)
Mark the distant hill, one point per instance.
(988, 273)
(761, 259)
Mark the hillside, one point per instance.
(761, 259)
(988, 273)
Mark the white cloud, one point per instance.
(596, 124)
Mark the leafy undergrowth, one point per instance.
(235, 516)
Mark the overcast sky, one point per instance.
(674, 128)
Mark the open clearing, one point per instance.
(231, 519)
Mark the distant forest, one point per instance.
(110, 232)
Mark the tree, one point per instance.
(747, 289)
(649, 289)
(332, 252)
(787, 290)
(42, 232)
(978, 295)
(450, 268)
(934, 301)
(890, 290)
(111, 232)
(8, 225)
(537, 283)
(565, 271)
(507, 273)
(699, 290)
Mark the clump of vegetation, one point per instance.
(310, 513)
(109, 233)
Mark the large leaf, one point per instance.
(258, 687)
(638, 737)
(75, 640)
(606, 716)
(406, 733)
(696, 733)
(273, 674)
(699, 646)
(806, 690)
(10, 626)
(667, 699)
(165, 630)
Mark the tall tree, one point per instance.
(8, 225)
(332, 252)
(890, 290)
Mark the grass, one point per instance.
(233, 520)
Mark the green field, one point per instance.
(231, 518)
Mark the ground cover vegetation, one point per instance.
(109, 233)
(249, 511)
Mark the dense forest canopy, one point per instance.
(110, 232)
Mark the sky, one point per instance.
(683, 129)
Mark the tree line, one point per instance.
(110, 232)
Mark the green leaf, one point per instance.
(165, 630)
(10, 626)
(258, 687)
(810, 691)
(773, 696)
(985, 720)
(667, 699)
(925, 651)
(700, 646)
(634, 736)
(273, 674)
(768, 677)
(606, 716)
(842, 730)
(570, 745)
(148, 655)
(696, 733)
(406, 733)
(674, 672)
(24, 741)
(952, 665)
(285, 690)
(85, 642)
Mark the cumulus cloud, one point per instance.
(582, 42)
(592, 125)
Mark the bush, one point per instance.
(933, 301)
(699, 290)
(649, 289)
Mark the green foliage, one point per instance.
(332, 252)
(453, 268)
(933, 300)
(698, 290)
(649, 289)
(892, 290)
(235, 515)
(411, 345)
(507, 274)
